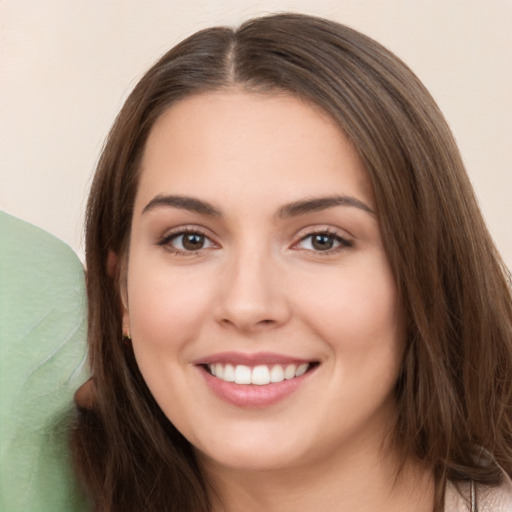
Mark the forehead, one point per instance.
(239, 141)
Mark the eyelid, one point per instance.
(169, 235)
(345, 240)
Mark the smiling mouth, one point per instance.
(259, 375)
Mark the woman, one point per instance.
(293, 299)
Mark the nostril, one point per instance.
(266, 321)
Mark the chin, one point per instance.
(253, 461)
(253, 453)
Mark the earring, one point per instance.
(126, 337)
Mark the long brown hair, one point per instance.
(454, 393)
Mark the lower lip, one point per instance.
(252, 395)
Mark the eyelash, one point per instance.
(343, 242)
(167, 240)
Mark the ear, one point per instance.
(117, 270)
(112, 264)
(126, 323)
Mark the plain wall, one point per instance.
(67, 65)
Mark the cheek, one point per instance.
(167, 311)
(355, 306)
(361, 320)
(166, 308)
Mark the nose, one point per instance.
(251, 295)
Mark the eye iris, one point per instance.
(193, 241)
(322, 242)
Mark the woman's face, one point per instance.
(262, 308)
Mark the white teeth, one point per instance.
(219, 371)
(277, 374)
(229, 373)
(301, 370)
(289, 371)
(259, 375)
(242, 374)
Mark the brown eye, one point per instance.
(192, 241)
(187, 242)
(322, 242)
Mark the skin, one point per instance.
(259, 284)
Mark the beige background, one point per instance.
(67, 65)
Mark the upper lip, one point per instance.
(250, 359)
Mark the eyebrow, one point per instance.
(321, 203)
(293, 209)
(183, 202)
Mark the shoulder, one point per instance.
(461, 497)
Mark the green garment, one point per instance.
(42, 363)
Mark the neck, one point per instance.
(363, 481)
